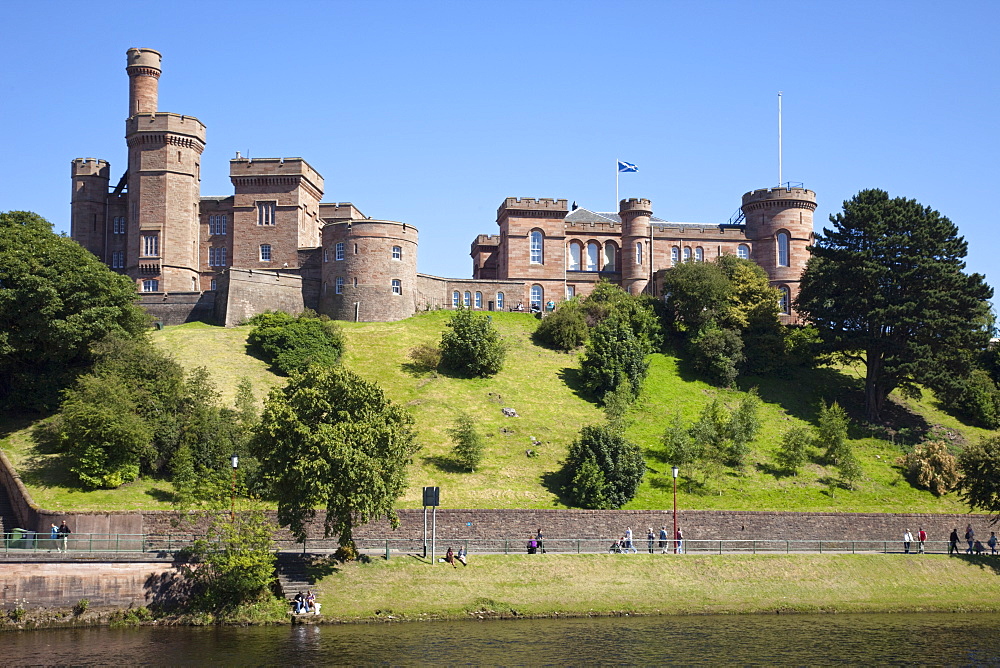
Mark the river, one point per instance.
(939, 639)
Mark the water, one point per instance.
(938, 639)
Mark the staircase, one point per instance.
(7, 519)
(293, 574)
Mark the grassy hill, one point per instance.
(543, 387)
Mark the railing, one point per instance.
(21, 541)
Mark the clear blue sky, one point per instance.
(432, 113)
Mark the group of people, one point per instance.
(451, 556)
(975, 545)
(625, 544)
(60, 536)
(306, 603)
(535, 545)
(908, 540)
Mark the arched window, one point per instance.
(215, 284)
(575, 255)
(537, 295)
(499, 301)
(687, 254)
(536, 247)
(743, 252)
(699, 254)
(593, 256)
(479, 299)
(783, 249)
(675, 255)
(785, 300)
(467, 302)
(610, 253)
(456, 299)
(638, 252)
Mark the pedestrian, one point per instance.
(628, 540)
(54, 538)
(650, 539)
(992, 542)
(64, 533)
(663, 540)
(462, 555)
(921, 539)
(970, 538)
(679, 549)
(907, 539)
(450, 557)
(532, 545)
(953, 542)
(538, 539)
(978, 548)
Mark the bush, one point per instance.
(599, 453)
(978, 399)
(292, 343)
(565, 329)
(614, 355)
(717, 353)
(794, 448)
(679, 449)
(932, 467)
(469, 443)
(472, 346)
(425, 356)
(831, 433)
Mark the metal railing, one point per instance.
(22, 541)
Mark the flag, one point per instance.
(626, 167)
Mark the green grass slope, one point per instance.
(543, 387)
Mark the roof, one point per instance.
(581, 215)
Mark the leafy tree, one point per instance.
(932, 467)
(977, 398)
(831, 432)
(614, 355)
(636, 310)
(886, 287)
(980, 482)
(679, 448)
(331, 439)
(697, 294)
(717, 353)
(472, 346)
(292, 343)
(565, 329)
(55, 300)
(469, 443)
(794, 449)
(849, 468)
(616, 405)
(743, 427)
(602, 450)
(710, 433)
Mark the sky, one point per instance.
(432, 113)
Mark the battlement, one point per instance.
(264, 168)
(165, 122)
(487, 240)
(91, 167)
(143, 58)
(635, 205)
(532, 204)
(590, 227)
(338, 211)
(780, 193)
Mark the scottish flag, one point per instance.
(626, 167)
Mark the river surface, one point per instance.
(936, 639)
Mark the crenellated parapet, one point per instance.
(91, 167)
(143, 68)
(636, 206)
(778, 197)
(524, 206)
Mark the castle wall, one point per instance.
(209, 208)
(176, 308)
(244, 293)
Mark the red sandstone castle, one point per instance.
(273, 244)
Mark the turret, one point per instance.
(635, 214)
(143, 80)
(88, 208)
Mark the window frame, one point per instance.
(397, 252)
(456, 299)
(536, 247)
(783, 245)
(150, 285)
(338, 285)
(532, 301)
(397, 286)
(478, 299)
(151, 242)
(262, 252)
(338, 251)
(500, 301)
(267, 211)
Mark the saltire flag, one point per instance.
(626, 167)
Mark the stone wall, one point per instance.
(25, 510)
(176, 308)
(36, 584)
(245, 292)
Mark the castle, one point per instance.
(273, 244)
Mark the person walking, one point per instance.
(970, 538)
(953, 542)
(679, 549)
(907, 539)
(663, 540)
(64, 533)
(538, 539)
(650, 539)
(628, 540)
(921, 539)
(992, 542)
(54, 538)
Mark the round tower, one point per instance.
(88, 205)
(143, 80)
(369, 270)
(779, 226)
(635, 214)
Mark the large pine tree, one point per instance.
(887, 287)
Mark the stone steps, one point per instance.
(7, 519)
(293, 574)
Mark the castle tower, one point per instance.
(164, 155)
(88, 208)
(635, 214)
(779, 225)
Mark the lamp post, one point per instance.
(234, 459)
(675, 471)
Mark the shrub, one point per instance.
(743, 427)
(469, 443)
(565, 329)
(292, 343)
(426, 356)
(614, 355)
(831, 433)
(472, 346)
(932, 467)
(679, 449)
(977, 399)
(717, 353)
(794, 448)
(602, 452)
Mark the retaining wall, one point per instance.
(62, 584)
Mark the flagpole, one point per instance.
(617, 176)
(779, 138)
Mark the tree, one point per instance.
(469, 443)
(331, 439)
(744, 427)
(292, 343)
(932, 467)
(697, 293)
(717, 353)
(55, 300)
(886, 287)
(679, 448)
(614, 355)
(794, 449)
(472, 346)
(831, 433)
(565, 329)
(603, 467)
(980, 483)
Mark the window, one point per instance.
(217, 224)
(265, 213)
(217, 257)
(151, 245)
(687, 254)
(397, 287)
(593, 257)
(118, 259)
(638, 252)
(782, 249)
(467, 302)
(785, 300)
(743, 252)
(537, 294)
(699, 254)
(215, 284)
(675, 255)
(326, 255)
(536, 247)
(118, 225)
(265, 252)
(397, 252)
(456, 299)
(570, 291)
(499, 301)
(479, 300)
(338, 251)
(610, 251)
(575, 253)
(150, 285)
(338, 285)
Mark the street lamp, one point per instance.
(234, 459)
(675, 471)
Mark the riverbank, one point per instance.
(494, 586)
